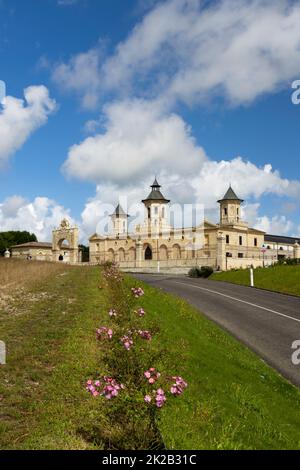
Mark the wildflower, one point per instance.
(179, 386)
(152, 375)
(147, 398)
(104, 333)
(160, 398)
(127, 342)
(137, 291)
(112, 388)
(140, 312)
(109, 388)
(112, 312)
(145, 334)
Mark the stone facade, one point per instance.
(156, 246)
(64, 246)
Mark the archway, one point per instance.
(131, 254)
(60, 258)
(111, 255)
(148, 253)
(176, 251)
(65, 242)
(163, 252)
(121, 254)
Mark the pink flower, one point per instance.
(137, 292)
(104, 333)
(152, 375)
(112, 312)
(145, 334)
(109, 389)
(160, 398)
(140, 312)
(179, 386)
(147, 398)
(127, 342)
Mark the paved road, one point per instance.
(267, 322)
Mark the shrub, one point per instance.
(204, 271)
(194, 272)
(130, 388)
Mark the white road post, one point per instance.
(251, 278)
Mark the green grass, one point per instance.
(233, 401)
(280, 278)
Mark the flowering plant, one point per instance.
(104, 333)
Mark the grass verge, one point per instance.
(233, 400)
(279, 278)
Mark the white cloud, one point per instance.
(82, 76)
(39, 216)
(19, 119)
(182, 50)
(138, 140)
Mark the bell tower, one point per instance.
(230, 209)
(156, 205)
(119, 220)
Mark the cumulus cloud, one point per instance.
(39, 216)
(82, 76)
(190, 50)
(20, 118)
(138, 139)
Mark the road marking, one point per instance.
(239, 300)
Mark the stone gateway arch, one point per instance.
(65, 233)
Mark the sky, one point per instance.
(104, 95)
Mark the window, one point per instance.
(227, 238)
(163, 212)
(149, 213)
(228, 255)
(240, 240)
(156, 210)
(225, 210)
(255, 241)
(237, 211)
(240, 255)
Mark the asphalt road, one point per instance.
(267, 322)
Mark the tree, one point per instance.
(85, 253)
(11, 238)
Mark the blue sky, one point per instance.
(198, 93)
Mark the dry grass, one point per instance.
(19, 276)
(21, 272)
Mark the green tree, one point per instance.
(85, 253)
(11, 238)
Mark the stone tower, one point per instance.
(230, 209)
(119, 220)
(156, 219)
